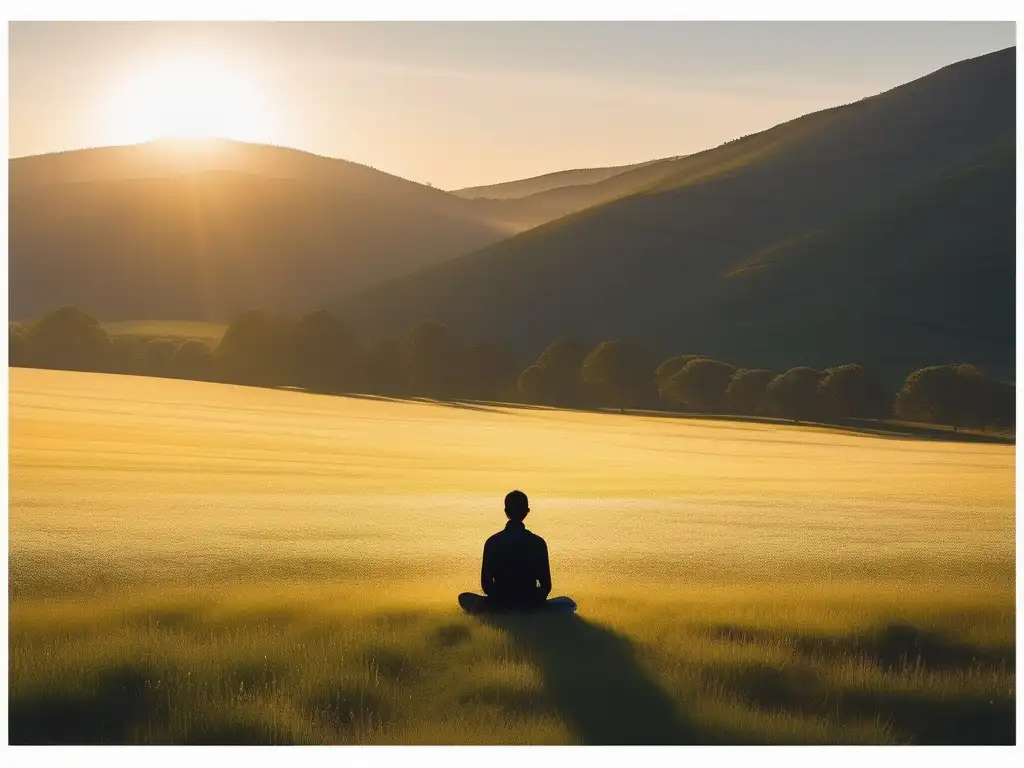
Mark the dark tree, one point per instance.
(621, 373)
(671, 367)
(701, 385)
(794, 394)
(19, 347)
(256, 349)
(378, 370)
(536, 385)
(158, 358)
(999, 405)
(126, 354)
(325, 353)
(664, 373)
(433, 360)
(492, 371)
(746, 392)
(849, 391)
(69, 339)
(562, 366)
(565, 354)
(955, 395)
(193, 359)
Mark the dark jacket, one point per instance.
(515, 571)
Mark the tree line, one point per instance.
(318, 352)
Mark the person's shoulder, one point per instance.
(494, 537)
(536, 539)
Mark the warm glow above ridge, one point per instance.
(187, 97)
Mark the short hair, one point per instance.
(516, 505)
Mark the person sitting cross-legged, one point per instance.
(516, 575)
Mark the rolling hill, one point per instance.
(512, 190)
(878, 232)
(203, 230)
(560, 194)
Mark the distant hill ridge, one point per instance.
(520, 188)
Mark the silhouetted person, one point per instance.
(515, 573)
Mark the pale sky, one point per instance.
(459, 104)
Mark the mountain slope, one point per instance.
(656, 265)
(511, 190)
(532, 210)
(922, 279)
(202, 230)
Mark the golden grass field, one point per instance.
(205, 563)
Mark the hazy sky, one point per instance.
(459, 104)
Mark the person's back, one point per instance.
(515, 572)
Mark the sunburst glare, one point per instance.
(188, 97)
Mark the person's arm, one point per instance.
(545, 571)
(487, 570)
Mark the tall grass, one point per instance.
(315, 664)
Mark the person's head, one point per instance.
(517, 506)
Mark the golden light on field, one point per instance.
(164, 479)
(268, 557)
(191, 97)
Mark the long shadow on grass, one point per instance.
(917, 717)
(110, 713)
(592, 678)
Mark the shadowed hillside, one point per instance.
(560, 194)
(920, 280)
(662, 266)
(200, 230)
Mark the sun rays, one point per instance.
(188, 97)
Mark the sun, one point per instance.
(191, 97)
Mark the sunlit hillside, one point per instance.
(531, 202)
(201, 230)
(204, 228)
(202, 562)
(521, 188)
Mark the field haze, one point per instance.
(256, 565)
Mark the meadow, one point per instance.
(205, 563)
